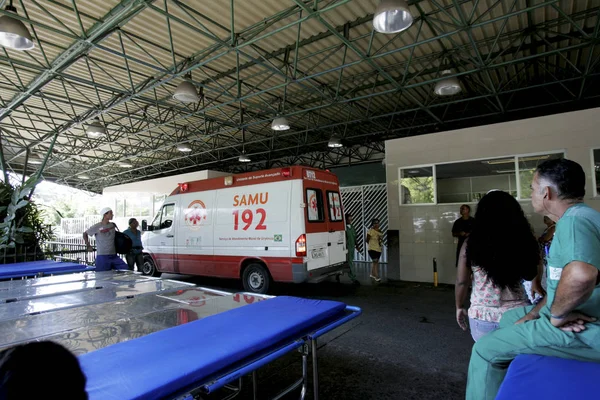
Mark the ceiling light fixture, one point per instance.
(184, 148)
(244, 158)
(392, 16)
(13, 33)
(280, 124)
(447, 87)
(186, 91)
(83, 177)
(95, 128)
(125, 165)
(335, 142)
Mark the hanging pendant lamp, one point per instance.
(13, 33)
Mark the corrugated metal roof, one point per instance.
(123, 60)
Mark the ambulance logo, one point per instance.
(195, 214)
(278, 238)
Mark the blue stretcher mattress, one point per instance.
(30, 268)
(165, 362)
(528, 377)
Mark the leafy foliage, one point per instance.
(420, 189)
(22, 230)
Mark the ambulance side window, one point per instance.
(156, 222)
(314, 205)
(164, 217)
(335, 206)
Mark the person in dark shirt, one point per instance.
(41, 370)
(462, 228)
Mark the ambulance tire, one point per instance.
(256, 279)
(149, 268)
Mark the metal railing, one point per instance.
(71, 251)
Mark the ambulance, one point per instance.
(278, 225)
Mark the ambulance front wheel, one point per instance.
(149, 268)
(256, 279)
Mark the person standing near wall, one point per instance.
(374, 242)
(462, 228)
(106, 258)
(135, 256)
(565, 323)
(351, 246)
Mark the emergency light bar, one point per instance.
(183, 187)
(228, 180)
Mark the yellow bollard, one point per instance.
(435, 274)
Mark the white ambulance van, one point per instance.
(282, 225)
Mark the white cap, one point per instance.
(105, 210)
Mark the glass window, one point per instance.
(168, 214)
(314, 205)
(335, 206)
(145, 206)
(158, 200)
(417, 186)
(156, 222)
(527, 167)
(467, 182)
(120, 208)
(597, 170)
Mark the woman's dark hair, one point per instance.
(567, 177)
(502, 241)
(40, 370)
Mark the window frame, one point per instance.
(515, 157)
(595, 185)
(320, 205)
(159, 216)
(401, 194)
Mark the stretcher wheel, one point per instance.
(149, 268)
(256, 279)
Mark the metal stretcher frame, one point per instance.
(306, 344)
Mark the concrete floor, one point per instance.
(406, 345)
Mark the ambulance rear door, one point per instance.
(336, 227)
(325, 231)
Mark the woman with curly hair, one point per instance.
(500, 252)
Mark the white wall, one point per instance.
(425, 231)
(162, 185)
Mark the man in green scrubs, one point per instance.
(564, 324)
(351, 245)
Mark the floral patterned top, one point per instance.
(489, 302)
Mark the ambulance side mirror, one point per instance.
(144, 225)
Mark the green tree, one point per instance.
(420, 188)
(22, 230)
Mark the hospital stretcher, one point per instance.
(207, 354)
(33, 303)
(541, 377)
(40, 268)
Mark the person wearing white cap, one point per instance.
(106, 257)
